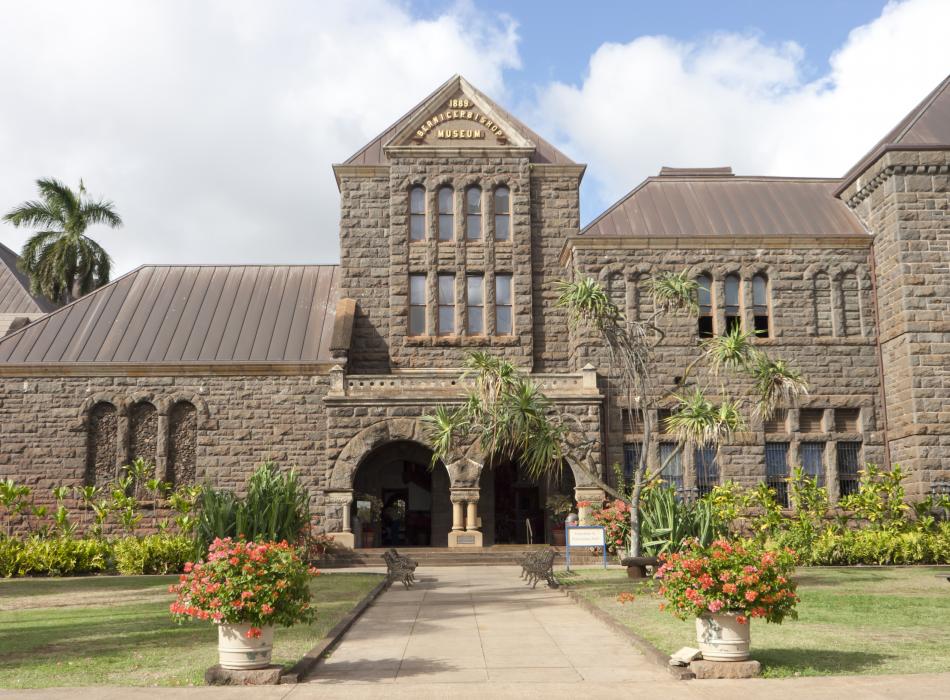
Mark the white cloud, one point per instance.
(737, 100)
(213, 125)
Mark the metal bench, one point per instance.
(538, 566)
(400, 568)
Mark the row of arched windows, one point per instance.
(105, 453)
(473, 207)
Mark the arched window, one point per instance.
(473, 213)
(821, 297)
(760, 305)
(704, 299)
(502, 214)
(143, 432)
(850, 305)
(417, 213)
(446, 214)
(101, 444)
(182, 443)
(733, 319)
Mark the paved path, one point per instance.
(481, 625)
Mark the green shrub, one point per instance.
(54, 557)
(667, 523)
(154, 554)
(871, 547)
(277, 507)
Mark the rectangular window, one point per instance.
(733, 320)
(446, 214)
(760, 305)
(809, 420)
(672, 473)
(504, 324)
(776, 470)
(848, 420)
(661, 417)
(632, 452)
(502, 205)
(417, 304)
(446, 304)
(475, 304)
(778, 423)
(813, 460)
(849, 464)
(707, 470)
(704, 298)
(473, 213)
(417, 214)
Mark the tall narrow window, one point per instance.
(446, 214)
(182, 443)
(417, 304)
(849, 464)
(502, 214)
(632, 452)
(813, 460)
(760, 305)
(101, 448)
(707, 469)
(671, 465)
(475, 304)
(776, 470)
(417, 214)
(503, 316)
(473, 213)
(446, 304)
(704, 297)
(733, 320)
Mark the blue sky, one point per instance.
(213, 124)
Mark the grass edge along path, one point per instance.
(118, 631)
(852, 620)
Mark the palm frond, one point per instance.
(733, 351)
(698, 422)
(587, 300)
(101, 212)
(674, 293)
(775, 384)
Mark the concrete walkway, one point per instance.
(481, 625)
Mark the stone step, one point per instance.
(498, 555)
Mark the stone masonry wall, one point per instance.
(242, 422)
(904, 200)
(840, 363)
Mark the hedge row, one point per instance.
(154, 554)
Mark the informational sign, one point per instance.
(586, 536)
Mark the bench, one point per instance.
(637, 566)
(538, 566)
(400, 568)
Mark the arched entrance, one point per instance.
(398, 501)
(516, 507)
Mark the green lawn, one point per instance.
(116, 630)
(851, 620)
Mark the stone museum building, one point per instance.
(456, 223)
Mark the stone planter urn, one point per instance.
(238, 652)
(720, 637)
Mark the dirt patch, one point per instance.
(84, 599)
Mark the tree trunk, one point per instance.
(635, 544)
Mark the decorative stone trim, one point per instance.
(887, 172)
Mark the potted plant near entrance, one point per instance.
(246, 589)
(558, 506)
(724, 586)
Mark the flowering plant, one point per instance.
(256, 583)
(615, 517)
(737, 577)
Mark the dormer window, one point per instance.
(417, 213)
(446, 214)
(473, 213)
(502, 202)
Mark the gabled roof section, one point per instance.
(190, 314)
(926, 126)
(15, 297)
(374, 153)
(716, 203)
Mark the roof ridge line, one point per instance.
(923, 107)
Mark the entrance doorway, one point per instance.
(399, 501)
(519, 513)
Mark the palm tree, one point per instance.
(62, 262)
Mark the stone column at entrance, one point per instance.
(471, 536)
(343, 500)
(594, 496)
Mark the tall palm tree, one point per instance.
(62, 262)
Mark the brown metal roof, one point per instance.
(373, 153)
(720, 204)
(927, 124)
(15, 297)
(181, 313)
